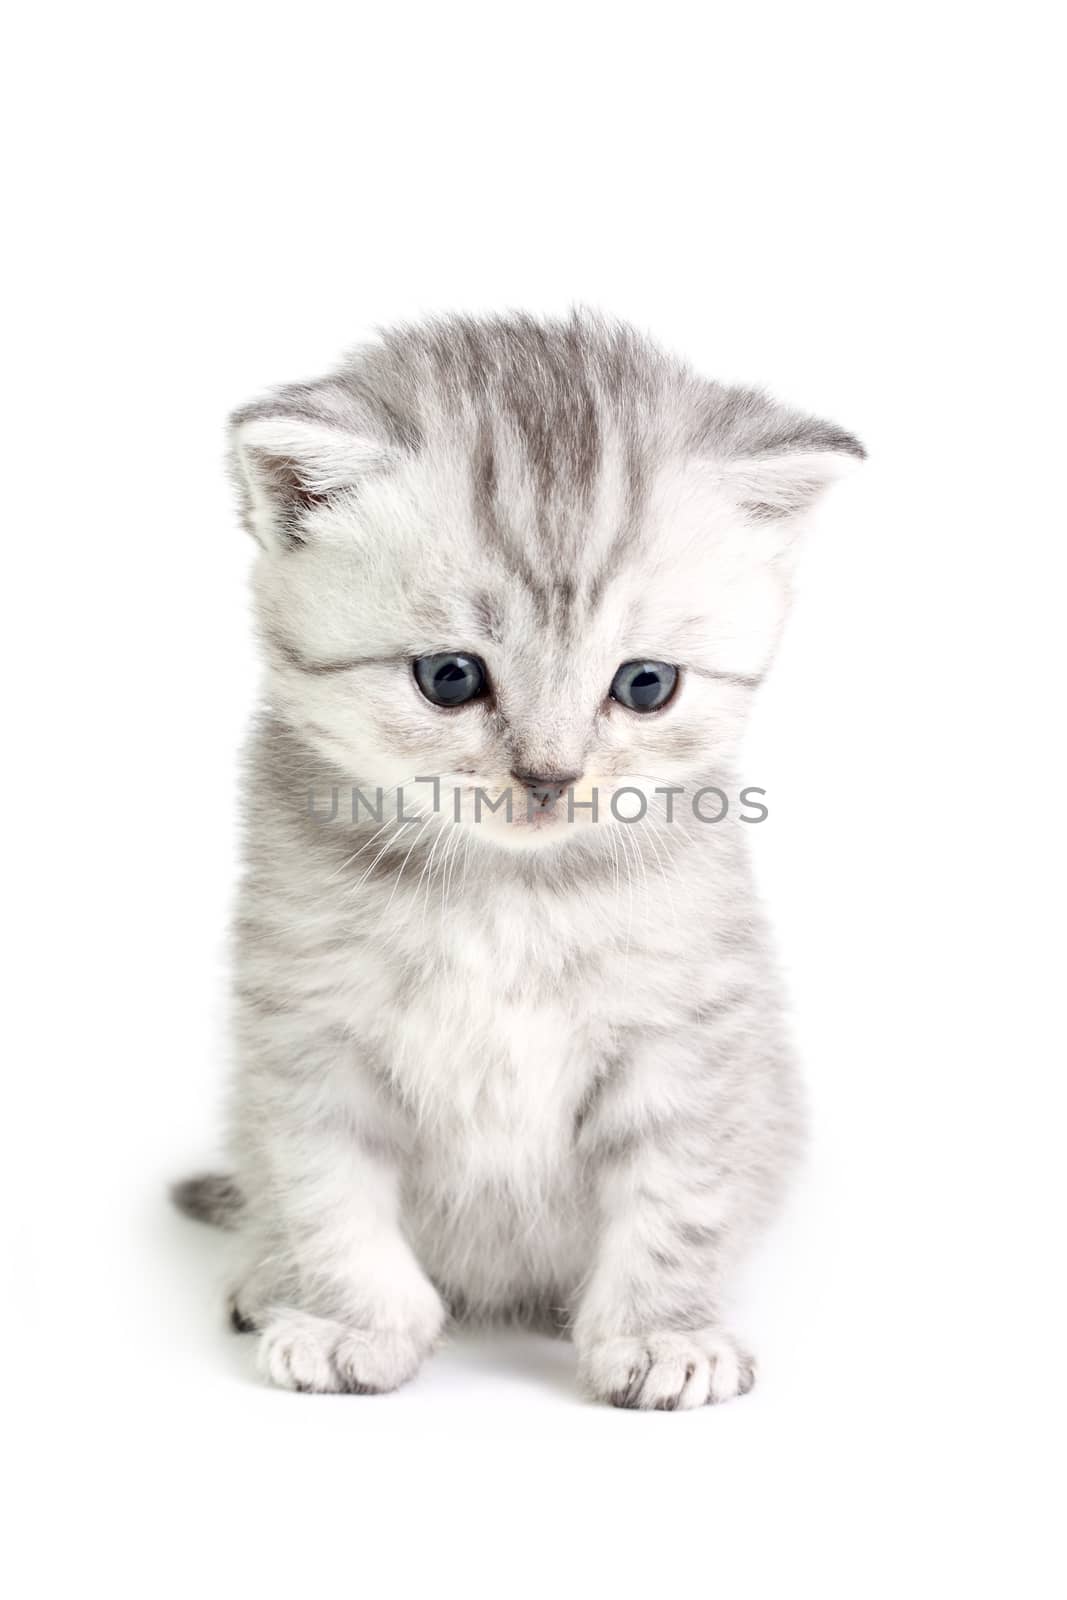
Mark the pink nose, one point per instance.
(546, 787)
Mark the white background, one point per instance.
(857, 205)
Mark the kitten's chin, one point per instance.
(543, 831)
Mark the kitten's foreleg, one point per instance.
(648, 1327)
(331, 1285)
(679, 1183)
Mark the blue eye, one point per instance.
(644, 685)
(452, 679)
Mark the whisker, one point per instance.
(347, 863)
(385, 848)
(666, 873)
(359, 852)
(639, 853)
(407, 858)
(625, 843)
(447, 863)
(616, 869)
(428, 869)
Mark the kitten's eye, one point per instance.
(644, 685)
(451, 680)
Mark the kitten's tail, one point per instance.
(210, 1197)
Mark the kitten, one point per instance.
(488, 1065)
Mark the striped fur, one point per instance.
(485, 1067)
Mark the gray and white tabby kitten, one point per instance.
(534, 1066)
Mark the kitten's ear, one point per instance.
(772, 487)
(775, 463)
(286, 464)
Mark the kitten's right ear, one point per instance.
(286, 464)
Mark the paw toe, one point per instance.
(315, 1355)
(667, 1371)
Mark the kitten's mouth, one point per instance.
(510, 816)
(547, 816)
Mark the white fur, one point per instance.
(502, 1066)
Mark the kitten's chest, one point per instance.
(492, 1017)
(499, 1038)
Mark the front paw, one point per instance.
(666, 1371)
(317, 1355)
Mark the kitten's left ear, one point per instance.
(772, 487)
(776, 463)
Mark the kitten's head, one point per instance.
(521, 555)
